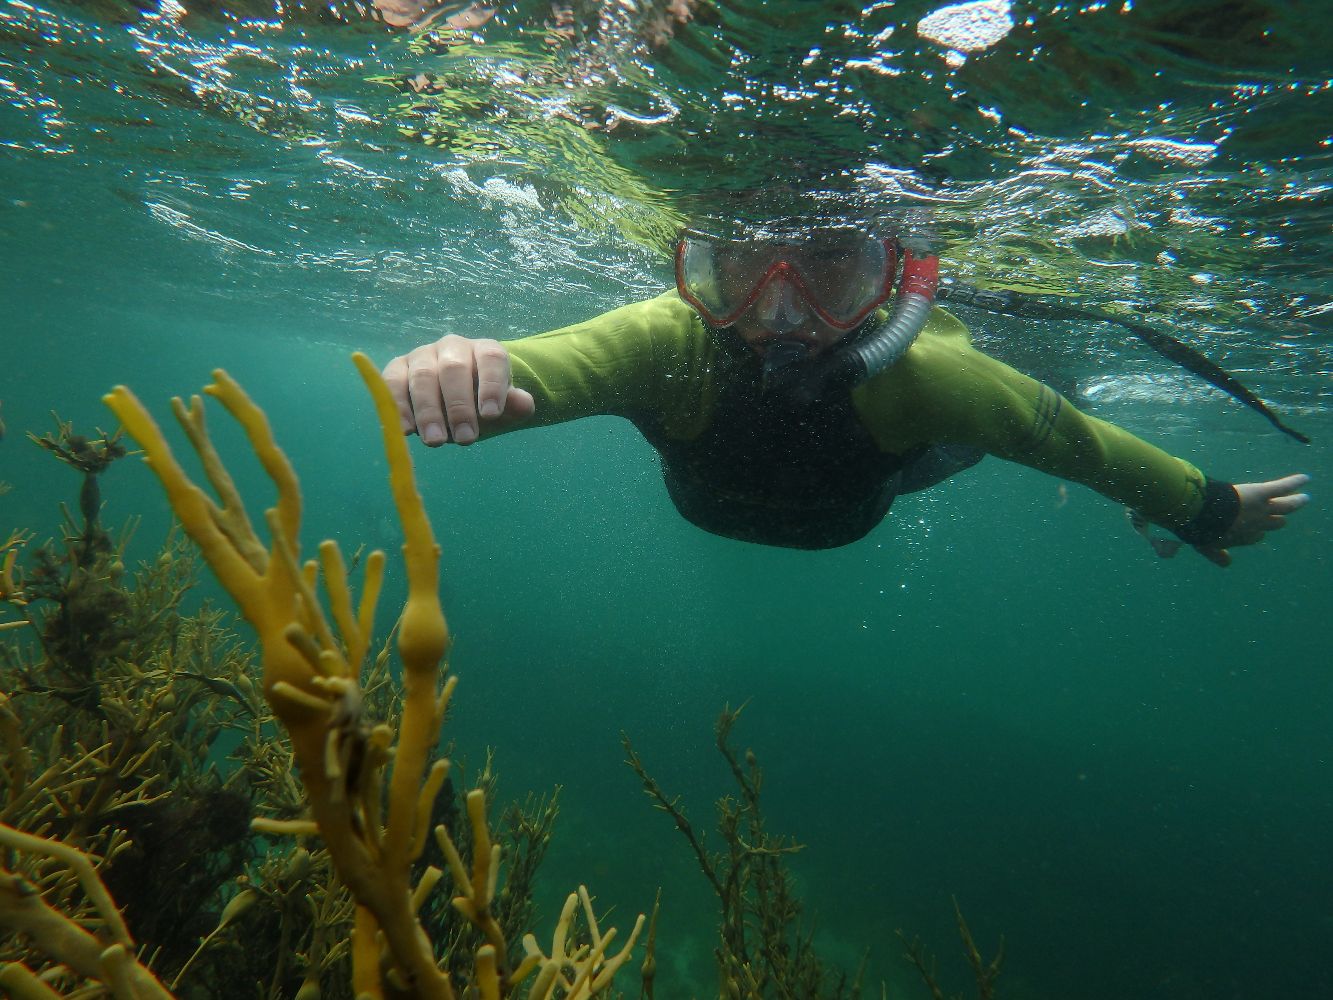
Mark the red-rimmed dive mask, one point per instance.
(839, 276)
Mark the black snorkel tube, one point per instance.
(877, 347)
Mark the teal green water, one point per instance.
(1119, 763)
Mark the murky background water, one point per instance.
(1121, 764)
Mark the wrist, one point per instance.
(1221, 506)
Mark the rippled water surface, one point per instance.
(1170, 157)
(1121, 764)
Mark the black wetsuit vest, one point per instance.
(770, 472)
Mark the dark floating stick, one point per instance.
(1031, 307)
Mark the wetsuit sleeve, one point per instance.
(1025, 421)
(959, 395)
(607, 365)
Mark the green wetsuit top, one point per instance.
(823, 477)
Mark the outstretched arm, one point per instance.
(458, 389)
(955, 393)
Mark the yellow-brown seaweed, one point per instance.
(312, 680)
(23, 910)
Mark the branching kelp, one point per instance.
(138, 745)
(764, 949)
(371, 787)
(984, 973)
(108, 741)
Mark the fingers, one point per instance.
(1214, 554)
(423, 387)
(1266, 506)
(395, 376)
(457, 374)
(492, 366)
(1288, 503)
(415, 389)
(1278, 496)
(1287, 484)
(1166, 548)
(519, 406)
(444, 390)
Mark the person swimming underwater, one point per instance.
(797, 379)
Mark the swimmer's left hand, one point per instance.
(1263, 508)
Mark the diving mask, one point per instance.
(839, 275)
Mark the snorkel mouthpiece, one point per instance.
(779, 357)
(792, 376)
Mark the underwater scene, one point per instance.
(258, 740)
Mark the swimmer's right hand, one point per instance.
(451, 389)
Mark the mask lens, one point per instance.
(842, 275)
(716, 276)
(846, 275)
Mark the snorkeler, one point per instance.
(791, 402)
